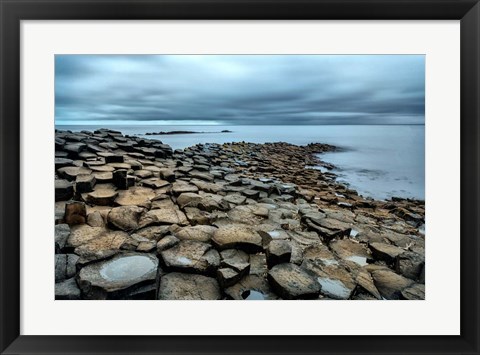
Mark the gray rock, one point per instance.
(65, 266)
(177, 286)
(67, 290)
(190, 256)
(385, 252)
(414, 292)
(85, 183)
(167, 242)
(278, 252)
(410, 264)
(62, 231)
(290, 281)
(63, 190)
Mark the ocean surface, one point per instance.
(377, 161)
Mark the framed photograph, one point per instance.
(239, 177)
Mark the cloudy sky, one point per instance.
(239, 89)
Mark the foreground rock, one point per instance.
(239, 237)
(119, 276)
(177, 286)
(290, 281)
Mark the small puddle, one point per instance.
(274, 234)
(421, 229)
(127, 268)
(333, 288)
(184, 261)
(360, 260)
(328, 262)
(253, 295)
(353, 233)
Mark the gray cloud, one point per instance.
(240, 89)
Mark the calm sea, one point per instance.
(377, 161)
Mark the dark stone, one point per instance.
(120, 179)
(75, 213)
(278, 252)
(63, 190)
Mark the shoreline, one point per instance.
(234, 217)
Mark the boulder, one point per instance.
(290, 281)
(238, 237)
(125, 217)
(75, 213)
(177, 286)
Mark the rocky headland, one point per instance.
(136, 220)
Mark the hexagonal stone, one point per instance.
(85, 183)
(117, 276)
(191, 256)
(63, 190)
(278, 252)
(290, 281)
(75, 212)
(239, 237)
(125, 217)
(177, 286)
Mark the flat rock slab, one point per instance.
(238, 237)
(135, 196)
(101, 197)
(290, 281)
(71, 172)
(389, 284)
(178, 286)
(191, 256)
(350, 251)
(168, 214)
(125, 217)
(102, 246)
(119, 273)
(385, 252)
(199, 233)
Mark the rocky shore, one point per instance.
(241, 221)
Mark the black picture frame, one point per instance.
(12, 12)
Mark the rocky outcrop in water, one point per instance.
(137, 220)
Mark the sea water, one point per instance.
(377, 161)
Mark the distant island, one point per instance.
(161, 133)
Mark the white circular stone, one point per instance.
(127, 268)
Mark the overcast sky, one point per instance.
(239, 89)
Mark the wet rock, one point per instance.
(414, 292)
(63, 190)
(62, 231)
(178, 286)
(385, 252)
(336, 282)
(167, 242)
(290, 281)
(278, 252)
(390, 284)
(101, 197)
(350, 251)
(67, 290)
(65, 266)
(125, 218)
(238, 237)
(199, 233)
(117, 276)
(75, 213)
(113, 158)
(84, 183)
(410, 264)
(190, 256)
(251, 287)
